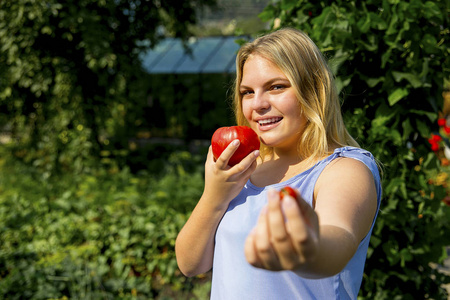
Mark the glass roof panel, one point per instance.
(223, 57)
(201, 53)
(171, 59)
(208, 55)
(152, 56)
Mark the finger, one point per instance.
(250, 250)
(280, 238)
(250, 158)
(222, 160)
(209, 156)
(295, 223)
(302, 235)
(308, 213)
(248, 165)
(311, 219)
(263, 245)
(276, 217)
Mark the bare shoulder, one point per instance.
(346, 176)
(343, 169)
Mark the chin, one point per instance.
(268, 143)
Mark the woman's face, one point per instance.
(270, 105)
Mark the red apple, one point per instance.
(288, 191)
(222, 137)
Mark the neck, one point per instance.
(284, 156)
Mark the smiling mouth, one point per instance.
(270, 121)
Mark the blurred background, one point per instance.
(107, 109)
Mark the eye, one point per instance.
(277, 87)
(246, 92)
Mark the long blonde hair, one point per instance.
(307, 70)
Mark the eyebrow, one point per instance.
(269, 82)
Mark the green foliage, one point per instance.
(188, 106)
(72, 92)
(101, 235)
(70, 70)
(391, 59)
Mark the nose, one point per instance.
(260, 102)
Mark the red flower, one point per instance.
(447, 129)
(435, 147)
(434, 141)
(441, 122)
(435, 138)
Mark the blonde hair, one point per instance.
(307, 70)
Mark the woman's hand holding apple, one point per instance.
(231, 161)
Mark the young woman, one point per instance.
(261, 247)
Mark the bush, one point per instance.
(390, 58)
(107, 234)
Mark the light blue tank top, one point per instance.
(233, 278)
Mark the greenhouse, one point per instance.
(204, 55)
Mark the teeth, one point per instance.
(269, 121)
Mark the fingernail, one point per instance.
(236, 142)
(256, 153)
(288, 202)
(271, 192)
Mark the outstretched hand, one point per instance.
(286, 236)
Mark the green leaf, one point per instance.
(432, 116)
(372, 82)
(321, 20)
(423, 129)
(395, 137)
(407, 128)
(301, 17)
(267, 14)
(410, 77)
(385, 58)
(338, 59)
(364, 24)
(425, 68)
(46, 30)
(420, 207)
(429, 43)
(380, 121)
(430, 10)
(377, 22)
(397, 95)
(422, 182)
(393, 186)
(410, 233)
(383, 115)
(340, 83)
(405, 255)
(288, 4)
(429, 160)
(392, 25)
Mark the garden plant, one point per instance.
(86, 212)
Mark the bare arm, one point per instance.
(194, 246)
(316, 243)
